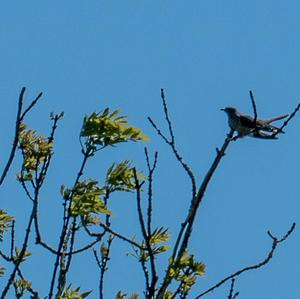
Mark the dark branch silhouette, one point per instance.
(19, 119)
(172, 143)
(231, 294)
(102, 263)
(253, 106)
(292, 115)
(269, 256)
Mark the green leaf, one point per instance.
(104, 250)
(18, 254)
(159, 235)
(21, 286)
(185, 270)
(168, 295)
(107, 129)
(87, 200)
(70, 293)
(160, 249)
(35, 150)
(5, 222)
(120, 177)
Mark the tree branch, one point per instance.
(103, 263)
(146, 237)
(287, 121)
(187, 226)
(19, 118)
(172, 144)
(254, 107)
(269, 256)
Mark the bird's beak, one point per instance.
(222, 109)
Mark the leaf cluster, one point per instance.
(21, 286)
(158, 236)
(107, 129)
(70, 293)
(5, 221)
(185, 271)
(86, 199)
(120, 177)
(35, 148)
(19, 254)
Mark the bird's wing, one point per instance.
(247, 121)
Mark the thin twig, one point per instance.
(151, 170)
(254, 107)
(19, 119)
(16, 137)
(292, 115)
(21, 255)
(106, 228)
(72, 242)
(269, 256)
(32, 104)
(12, 240)
(151, 290)
(231, 295)
(105, 252)
(5, 257)
(30, 290)
(167, 116)
(172, 144)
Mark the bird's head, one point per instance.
(229, 110)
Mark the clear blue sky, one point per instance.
(87, 55)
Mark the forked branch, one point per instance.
(19, 118)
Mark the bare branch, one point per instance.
(19, 119)
(269, 256)
(33, 292)
(105, 252)
(32, 104)
(20, 257)
(231, 295)
(151, 170)
(187, 226)
(12, 240)
(198, 199)
(167, 116)
(119, 236)
(5, 257)
(146, 237)
(171, 143)
(287, 121)
(254, 107)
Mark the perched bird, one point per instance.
(247, 125)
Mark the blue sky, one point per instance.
(87, 55)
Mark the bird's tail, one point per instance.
(276, 118)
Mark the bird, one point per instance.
(247, 125)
